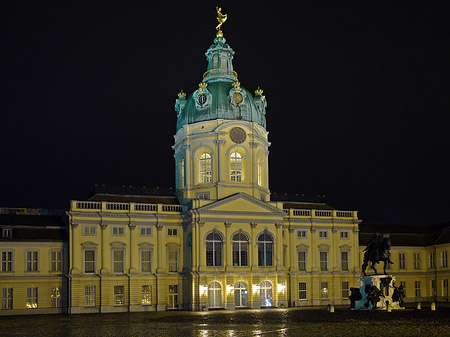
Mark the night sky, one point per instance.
(358, 97)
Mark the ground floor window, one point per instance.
(444, 287)
(215, 295)
(403, 285)
(7, 298)
(417, 288)
(324, 290)
(89, 296)
(345, 290)
(240, 294)
(32, 298)
(56, 297)
(119, 295)
(302, 291)
(146, 294)
(173, 296)
(266, 294)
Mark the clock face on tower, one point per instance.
(238, 135)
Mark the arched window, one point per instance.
(240, 294)
(266, 294)
(216, 61)
(205, 168)
(240, 249)
(215, 295)
(265, 248)
(259, 171)
(236, 166)
(223, 63)
(214, 249)
(181, 173)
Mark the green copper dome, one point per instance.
(220, 95)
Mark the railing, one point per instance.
(344, 214)
(89, 205)
(324, 213)
(220, 71)
(320, 213)
(172, 208)
(302, 212)
(117, 206)
(124, 207)
(146, 207)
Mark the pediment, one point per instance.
(241, 203)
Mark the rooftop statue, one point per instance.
(221, 18)
(377, 250)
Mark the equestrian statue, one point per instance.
(377, 250)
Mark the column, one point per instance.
(279, 246)
(253, 258)
(159, 247)
(202, 248)
(133, 258)
(76, 251)
(228, 249)
(187, 167)
(292, 250)
(105, 262)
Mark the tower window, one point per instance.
(201, 99)
(205, 168)
(216, 61)
(236, 166)
(224, 62)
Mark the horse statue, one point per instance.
(377, 250)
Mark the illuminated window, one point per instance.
(205, 168)
(223, 64)
(89, 296)
(402, 260)
(32, 260)
(6, 260)
(7, 233)
(146, 295)
(417, 288)
(236, 166)
(173, 260)
(146, 261)
(7, 298)
(259, 172)
(301, 261)
(324, 290)
(215, 295)
(323, 261)
(344, 261)
(214, 249)
(89, 229)
(343, 235)
(432, 260)
(89, 261)
(32, 298)
(146, 231)
(345, 291)
(118, 230)
(301, 234)
(302, 291)
(118, 261)
(119, 295)
(265, 249)
(56, 261)
(173, 296)
(416, 260)
(265, 294)
(323, 234)
(56, 297)
(240, 294)
(444, 257)
(202, 195)
(216, 61)
(172, 231)
(240, 249)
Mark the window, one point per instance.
(236, 166)
(240, 294)
(324, 290)
(433, 287)
(118, 261)
(146, 295)
(172, 231)
(146, 261)
(89, 230)
(265, 294)
(223, 63)
(301, 234)
(32, 298)
(146, 231)
(214, 249)
(416, 260)
(323, 261)
(344, 261)
(181, 173)
(402, 260)
(215, 295)
(444, 258)
(403, 285)
(32, 261)
(119, 295)
(301, 261)
(302, 291)
(205, 168)
(89, 296)
(6, 261)
(7, 298)
(259, 172)
(56, 258)
(240, 249)
(345, 291)
(445, 287)
(265, 248)
(343, 235)
(56, 297)
(7, 233)
(323, 234)
(432, 260)
(417, 288)
(118, 230)
(202, 195)
(173, 296)
(173, 260)
(216, 61)
(89, 261)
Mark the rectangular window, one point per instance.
(119, 295)
(89, 261)
(32, 298)
(444, 258)
(343, 235)
(56, 261)
(433, 287)
(173, 296)
(417, 288)
(56, 297)
(32, 261)
(345, 291)
(402, 260)
(118, 230)
(344, 261)
(89, 296)
(202, 195)
(146, 261)
(302, 291)
(6, 261)
(323, 234)
(302, 261)
(445, 287)
(7, 298)
(89, 230)
(323, 261)
(146, 231)
(223, 63)
(301, 234)
(403, 285)
(416, 260)
(7, 233)
(172, 232)
(118, 261)
(432, 260)
(324, 290)
(173, 260)
(146, 295)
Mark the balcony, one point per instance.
(123, 207)
(322, 214)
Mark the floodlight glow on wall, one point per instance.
(230, 288)
(281, 288)
(256, 288)
(203, 290)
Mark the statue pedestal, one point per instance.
(379, 287)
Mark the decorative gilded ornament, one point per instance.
(221, 18)
(258, 91)
(181, 94)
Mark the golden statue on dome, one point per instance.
(221, 18)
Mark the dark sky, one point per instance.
(357, 91)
